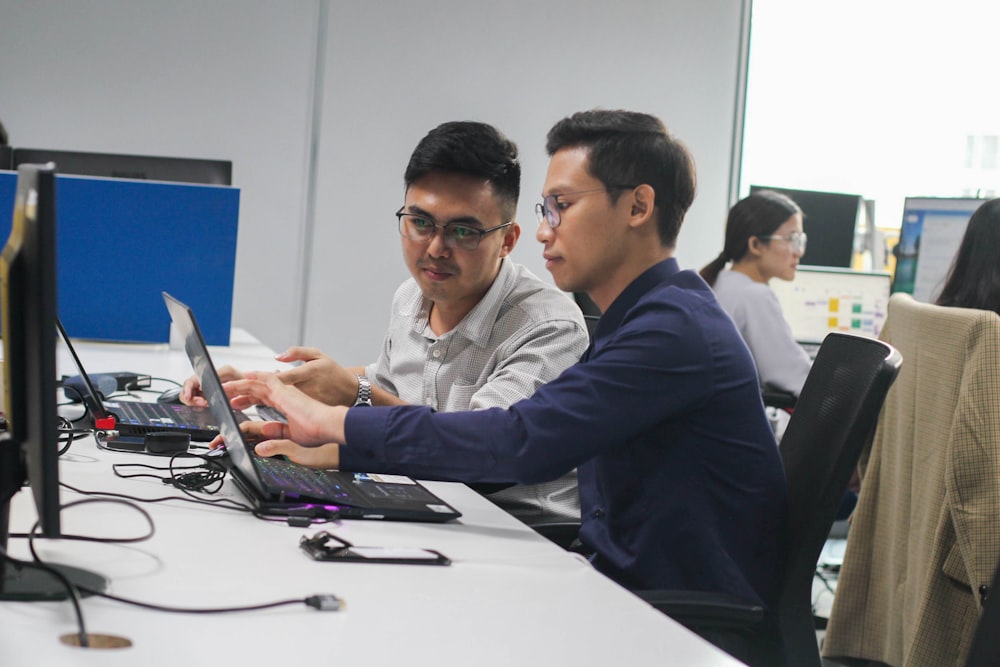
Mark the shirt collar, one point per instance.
(479, 321)
(650, 278)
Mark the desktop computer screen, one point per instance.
(829, 220)
(823, 300)
(138, 167)
(929, 237)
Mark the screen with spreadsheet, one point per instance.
(822, 300)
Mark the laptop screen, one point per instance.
(211, 387)
(822, 300)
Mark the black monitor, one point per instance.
(30, 447)
(140, 167)
(829, 221)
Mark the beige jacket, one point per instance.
(925, 537)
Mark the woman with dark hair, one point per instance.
(764, 240)
(974, 278)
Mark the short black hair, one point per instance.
(628, 147)
(473, 149)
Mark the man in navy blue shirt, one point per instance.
(681, 484)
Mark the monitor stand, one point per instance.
(23, 583)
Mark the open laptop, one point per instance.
(821, 300)
(277, 486)
(134, 420)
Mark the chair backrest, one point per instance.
(834, 417)
(925, 535)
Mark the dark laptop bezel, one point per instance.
(244, 469)
(102, 415)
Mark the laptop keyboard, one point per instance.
(298, 480)
(132, 412)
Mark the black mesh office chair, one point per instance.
(834, 416)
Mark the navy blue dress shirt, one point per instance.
(681, 483)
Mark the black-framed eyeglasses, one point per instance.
(550, 209)
(421, 228)
(796, 241)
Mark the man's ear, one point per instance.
(510, 236)
(642, 205)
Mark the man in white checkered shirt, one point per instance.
(470, 329)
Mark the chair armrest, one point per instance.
(563, 533)
(699, 609)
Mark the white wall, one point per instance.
(233, 79)
(223, 79)
(394, 73)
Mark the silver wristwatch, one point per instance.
(364, 391)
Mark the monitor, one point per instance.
(829, 220)
(929, 236)
(138, 167)
(824, 300)
(30, 447)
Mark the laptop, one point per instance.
(134, 420)
(279, 487)
(821, 300)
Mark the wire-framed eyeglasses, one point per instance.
(550, 209)
(422, 228)
(796, 240)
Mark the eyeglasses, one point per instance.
(421, 228)
(550, 209)
(796, 241)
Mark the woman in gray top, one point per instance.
(764, 240)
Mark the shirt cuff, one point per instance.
(364, 430)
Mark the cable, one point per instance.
(324, 602)
(71, 591)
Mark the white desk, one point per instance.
(509, 598)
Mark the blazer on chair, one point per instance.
(925, 537)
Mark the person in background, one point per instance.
(974, 278)
(470, 329)
(681, 485)
(764, 240)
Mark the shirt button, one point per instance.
(597, 514)
(429, 401)
(436, 354)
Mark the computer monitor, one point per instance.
(829, 220)
(139, 167)
(30, 447)
(824, 300)
(929, 237)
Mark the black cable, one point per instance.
(71, 591)
(311, 601)
(223, 503)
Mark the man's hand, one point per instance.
(310, 422)
(191, 391)
(319, 376)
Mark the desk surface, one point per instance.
(510, 596)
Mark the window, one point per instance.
(875, 97)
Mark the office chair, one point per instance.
(834, 417)
(925, 536)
